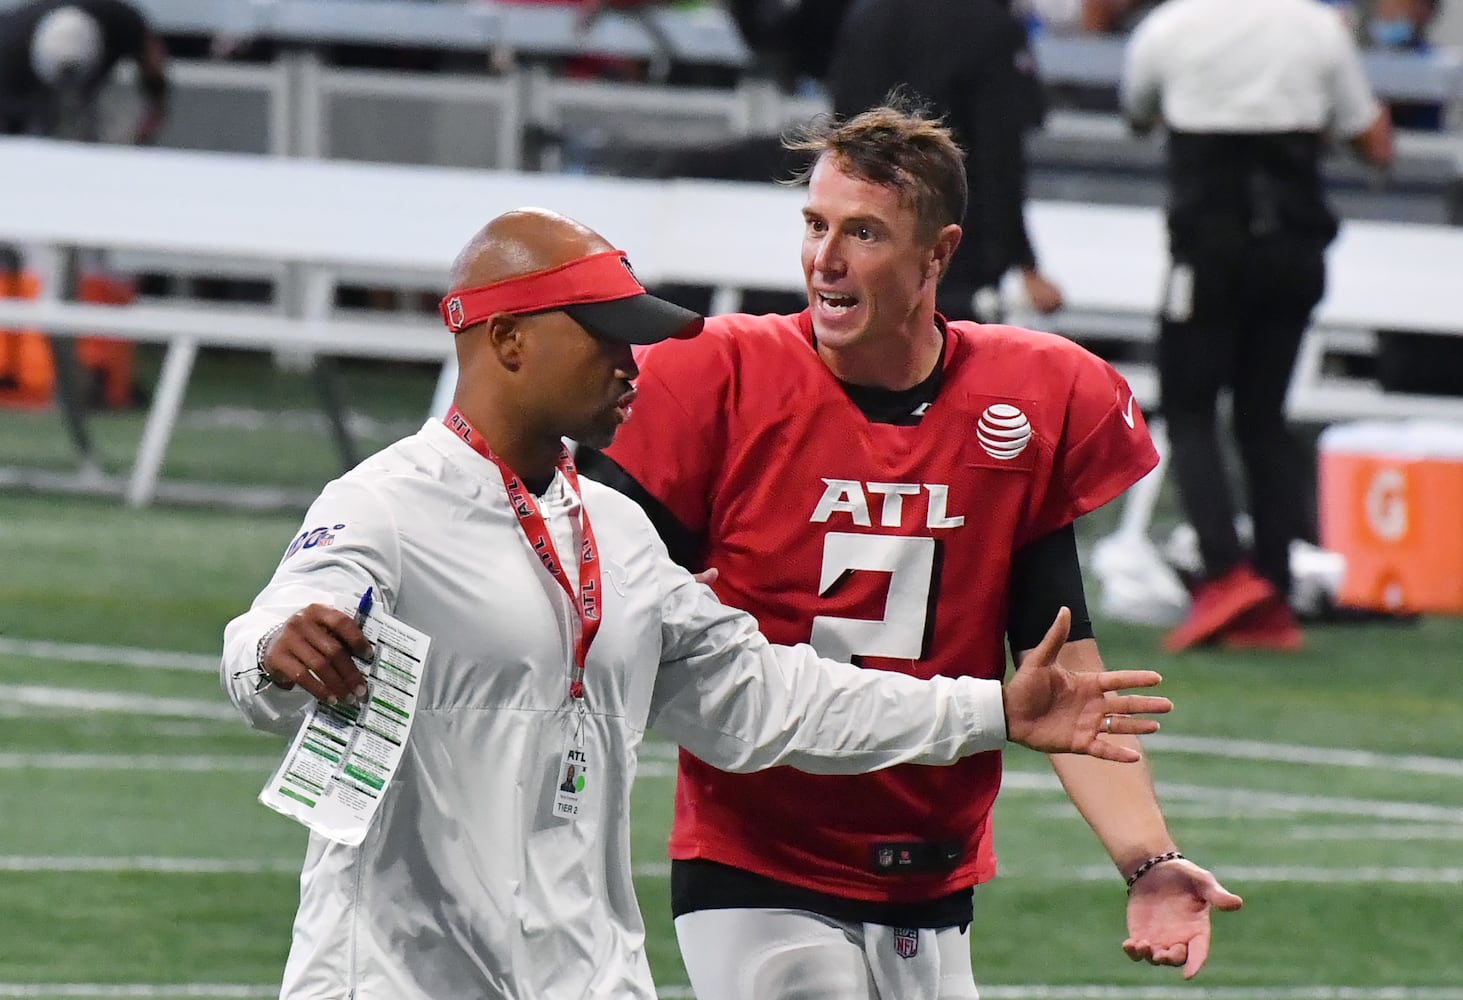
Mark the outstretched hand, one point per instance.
(1168, 915)
(1055, 710)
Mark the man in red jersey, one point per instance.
(897, 490)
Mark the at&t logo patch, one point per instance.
(1003, 431)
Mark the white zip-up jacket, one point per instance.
(466, 885)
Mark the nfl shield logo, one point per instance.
(906, 941)
(454, 312)
(886, 857)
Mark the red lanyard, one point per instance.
(586, 602)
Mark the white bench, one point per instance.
(328, 221)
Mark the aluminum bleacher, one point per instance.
(294, 219)
(306, 218)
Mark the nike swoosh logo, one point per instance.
(1128, 413)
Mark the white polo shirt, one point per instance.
(1246, 66)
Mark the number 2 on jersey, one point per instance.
(900, 634)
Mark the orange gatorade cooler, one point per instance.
(1391, 502)
(27, 372)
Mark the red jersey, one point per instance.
(886, 545)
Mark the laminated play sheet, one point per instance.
(344, 756)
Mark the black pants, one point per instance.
(1234, 316)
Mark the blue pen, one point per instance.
(363, 610)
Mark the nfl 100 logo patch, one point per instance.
(906, 941)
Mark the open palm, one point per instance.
(1055, 710)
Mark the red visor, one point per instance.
(600, 277)
(599, 292)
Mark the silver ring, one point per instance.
(1107, 723)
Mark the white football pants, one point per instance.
(769, 954)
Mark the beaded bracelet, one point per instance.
(1150, 864)
(265, 679)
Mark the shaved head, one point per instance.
(521, 242)
(528, 380)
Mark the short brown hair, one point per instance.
(898, 145)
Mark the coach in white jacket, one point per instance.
(469, 884)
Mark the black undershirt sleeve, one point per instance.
(1046, 575)
(684, 545)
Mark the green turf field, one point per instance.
(1327, 788)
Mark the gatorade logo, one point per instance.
(1386, 505)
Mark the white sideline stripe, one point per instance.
(250, 419)
(1368, 833)
(668, 752)
(103, 701)
(229, 991)
(1187, 992)
(1299, 874)
(1286, 753)
(141, 991)
(154, 865)
(132, 762)
(1314, 875)
(117, 656)
(181, 762)
(1209, 746)
(1292, 754)
(1178, 810)
(1250, 800)
(1296, 874)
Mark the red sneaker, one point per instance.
(1219, 603)
(1271, 625)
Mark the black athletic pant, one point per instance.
(1234, 315)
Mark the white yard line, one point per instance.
(132, 762)
(250, 419)
(657, 756)
(1205, 745)
(1191, 992)
(138, 991)
(1292, 754)
(117, 656)
(83, 700)
(1241, 874)
(1249, 800)
(1178, 810)
(152, 865)
(679, 991)
(1314, 874)
(1297, 874)
(1284, 753)
(1410, 831)
(185, 762)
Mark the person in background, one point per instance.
(970, 61)
(560, 631)
(1401, 26)
(1091, 17)
(55, 56)
(897, 490)
(1249, 92)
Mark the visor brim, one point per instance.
(639, 319)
